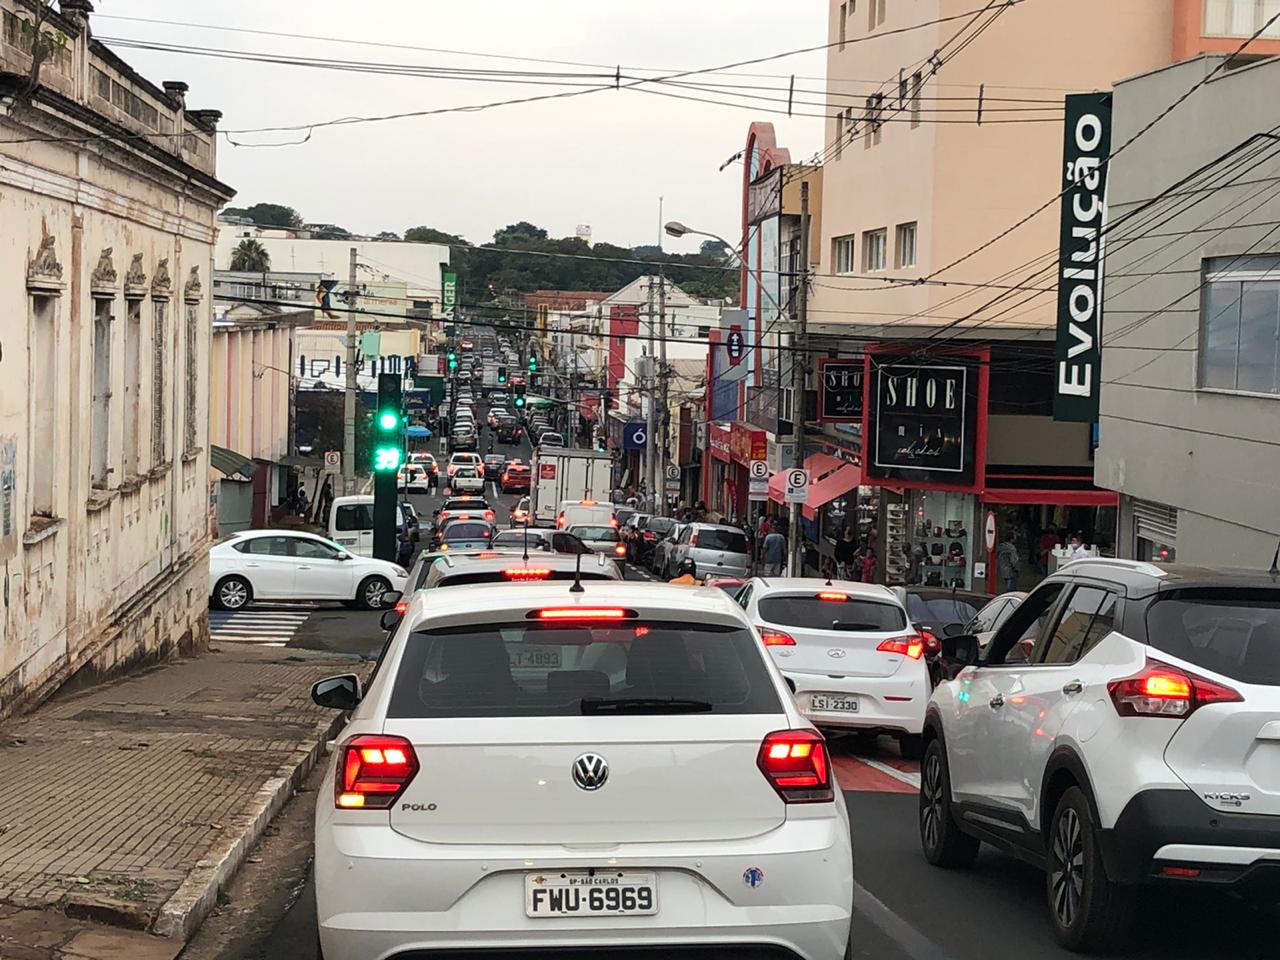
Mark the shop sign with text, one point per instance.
(746, 444)
(924, 421)
(840, 389)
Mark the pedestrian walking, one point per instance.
(1008, 563)
(846, 554)
(774, 553)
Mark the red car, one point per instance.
(516, 477)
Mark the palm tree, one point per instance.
(250, 255)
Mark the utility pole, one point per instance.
(650, 441)
(353, 384)
(799, 369)
(660, 488)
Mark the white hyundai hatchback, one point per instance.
(534, 768)
(848, 652)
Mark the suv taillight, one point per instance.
(912, 646)
(560, 520)
(795, 762)
(775, 638)
(373, 770)
(1161, 690)
(620, 551)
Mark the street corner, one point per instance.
(51, 935)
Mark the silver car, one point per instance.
(601, 538)
(717, 550)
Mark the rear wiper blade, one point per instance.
(846, 625)
(643, 705)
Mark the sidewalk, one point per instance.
(133, 803)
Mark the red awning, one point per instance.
(833, 485)
(1066, 498)
(819, 465)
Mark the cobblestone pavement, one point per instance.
(120, 802)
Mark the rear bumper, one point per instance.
(1174, 828)
(895, 704)
(380, 895)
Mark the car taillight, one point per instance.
(620, 550)
(650, 535)
(613, 521)
(489, 515)
(588, 503)
(932, 644)
(373, 771)
(526, 573)
(560, 520)
(912, 646)
(1161, 690)
(795, 762)
(775, 638)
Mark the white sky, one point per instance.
(601, 159)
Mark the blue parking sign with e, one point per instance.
(635, 435)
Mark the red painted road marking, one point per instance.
(853, 774)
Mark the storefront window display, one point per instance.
(941, 533)
(1038, 529)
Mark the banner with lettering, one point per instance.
(922, 423)
(1078, 360)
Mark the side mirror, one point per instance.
(337, 693)
(961, 651)
(390, 619)
(391, 598)
(953, 630)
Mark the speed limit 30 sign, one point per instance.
(797, 487)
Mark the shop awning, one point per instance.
(819, 465)
(230, 463)
(833, 485)
(1066, 498)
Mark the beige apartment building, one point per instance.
(108, 196)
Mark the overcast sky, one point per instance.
(601, 159)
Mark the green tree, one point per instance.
(518, 233)
(388, 235)
(250, 255)
(268, 215)
(330, 231)
(431, 235)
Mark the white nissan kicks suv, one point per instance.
(1122, 728)
(573, 771)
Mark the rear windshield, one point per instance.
(813, 613)
(517, 468)
(1234, 633)
(595, 533)
(661, 524)
(464, 504)
(537, 670)
(942, 610)
(464, 530)
(497, 576)
(728, 540)
(518, 540)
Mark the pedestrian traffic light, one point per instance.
(533, 362)
(387, 448)
(502, 375)
(519, 395)
(453, 360)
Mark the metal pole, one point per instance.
(799, 367)
(660, 488)
(349, 404)
(650, 442)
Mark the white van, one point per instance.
(351, 523)
(573, 513)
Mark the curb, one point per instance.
(181, 915)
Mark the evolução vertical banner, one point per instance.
(1078, 361)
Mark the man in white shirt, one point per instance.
(1078, 550)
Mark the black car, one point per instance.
(941, 612)
(494, 464)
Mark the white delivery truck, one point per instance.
(561, 474)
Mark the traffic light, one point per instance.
(387, 447)
(502, 375)
(533, 362)
(453, 360)
(518, 397)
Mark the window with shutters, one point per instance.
(905, 252)
(132, 405)
(1240, 18)
(100, 413)
(159, 361)
(190, 427)
(844, 247)
(875, 245)
(43, 373)
(1155, 531)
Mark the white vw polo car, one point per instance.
(534, 768)
(848, 651)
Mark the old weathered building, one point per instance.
(108, 198)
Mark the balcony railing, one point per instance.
(1240, 18)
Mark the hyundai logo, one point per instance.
(835, 653)
(590, 771)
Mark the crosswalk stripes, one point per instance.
(269, 625)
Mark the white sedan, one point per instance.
(293, 565)
(535, 770)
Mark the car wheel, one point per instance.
(911, 746)
(941, 840)
(232, 593)
(1088, 911)
(371, 591)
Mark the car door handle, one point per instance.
(996, 702)
(1073, 687)
(304, 567)
(253, 564)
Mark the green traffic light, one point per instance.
(388, 421)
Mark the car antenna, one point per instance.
(577, 575)
(1275, 563)
(526, 539)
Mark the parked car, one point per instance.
(293, 565)
(1135, 744)
(662, 549)
(351, 523)
(848, 652)
(490, 704)
(717, 550)
(516, 477)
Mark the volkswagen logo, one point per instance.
(590, 771)
(835, 653)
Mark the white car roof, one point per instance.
(799, 585)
